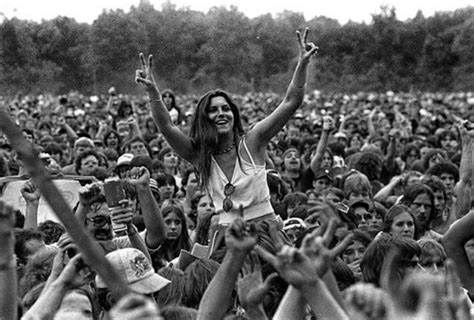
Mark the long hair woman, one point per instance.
(230, 162)
(177, 236)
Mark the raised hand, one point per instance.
(145, 77)
(365, 301)
(328, 123)
(30, 192)
(71, 276)
(122, 214)
(241, 236)
(307, 49)
(90, 193)
(138, 176)
(251, 288)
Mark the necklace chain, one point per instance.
(226, 150)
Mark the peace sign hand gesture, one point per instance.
(145, 76)
(307, 49)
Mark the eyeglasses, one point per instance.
(99, 221)
(227, 204)
(366, 216)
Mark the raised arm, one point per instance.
(462, 190)
(32, 196)
(8, 282)
(177, 139)
(261, 134)
(328, 125)
(156, 229)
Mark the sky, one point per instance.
(342, 10)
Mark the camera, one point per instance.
(114, 194)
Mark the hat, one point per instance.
(360, 202)
(136, 270)
(339, 134)
(323, 173)
(125, 159)
(84, 142)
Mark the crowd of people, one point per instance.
(255, 206)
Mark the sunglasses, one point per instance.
(227, 204)
(99, 221)
(366, 216)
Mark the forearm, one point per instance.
(386, 191)
(31, 215)
(322, 145)
(155, 226)
(322, 302)
(331, 283)
(218, 295)
(48, 303)
(295, 91)
(391, 149)
(136, 240)
(71, 133)
(8, 278)
(292, 306)
(370, 126)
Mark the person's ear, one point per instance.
(110, 299)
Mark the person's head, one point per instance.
(124, 164)
(169, 158)
(420, 199)
(356, 248)
(439, 192)
(400, 222)
(198, 275)
(136, 270)
(37, 269)
(82, 144)
(167, 185)
(87, 161)
(98, 222)
(373, 259)
(189, 183)
(172, 294)
(203, 204)
(27, 243)
(433, 157)
(169, 99)
(357, 185)
(370, 164)
(410, 154)
(216, 115)
(448, 173)
(291, 160)
(362, 210)
(51, 231)
(171, 312)
(112, 139)
(175, 221)
(411, 178)
(78, 304)
(55, 151)
(432, 256)
(293, 200)
(376, 223)
(447, 140)
(323, 179)
(137, 146)
(333, 195)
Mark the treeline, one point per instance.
(194, 51)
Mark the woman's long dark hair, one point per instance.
(204, 133)
(171, 249)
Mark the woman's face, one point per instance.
(191, 185)
(168, 100)
(205, 207)
(327, 160)
(75, 306)
(432, 261)
(174, 226)
(356, 142)
(220, 113)
(403, 226)
(436, 158)
(166, 191)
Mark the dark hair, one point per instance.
(395, 211)
(108, 134)
(408, 149)
(204, 133)
(172, 294)
(37, 270)
(53, 148)
(171, 249)
(81, 156)
(373, 259)
(431, 153)
(51, 231)
(178, 313)
(413, 191)
(202, 230)
(198, 275)
(370, 164)
(127, 144)
(444, 167)
(163, 179)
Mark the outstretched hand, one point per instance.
(30, 192)
(241, 236)
(307, 49)
(144, 75)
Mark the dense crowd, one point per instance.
(369, 205)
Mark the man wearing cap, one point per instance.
(362, 211)
(136, 270)
(322, 179)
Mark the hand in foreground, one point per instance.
(76, 273)
(138, 176)
(90, 193)
(251, 288)
(30, 192)
(241, 236)
(135, 306)
(307, 49)
(366, 301)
